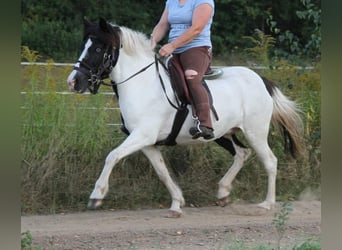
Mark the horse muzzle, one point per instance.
(77, 82)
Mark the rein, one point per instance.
(135, 74)
(110, 59)
(157, 60)
(179, 106)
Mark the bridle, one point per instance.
(96, 75)
(109, 60)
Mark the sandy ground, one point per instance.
(198, 228)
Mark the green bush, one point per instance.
(308, 245)
(26, 242)
(54, 28)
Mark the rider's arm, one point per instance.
(200, 18)
(160, 29)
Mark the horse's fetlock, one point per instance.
(223, 191)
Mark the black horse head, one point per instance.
(101, 44)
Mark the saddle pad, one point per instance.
(214, 73)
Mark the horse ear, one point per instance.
(104, 25)
(86, 22)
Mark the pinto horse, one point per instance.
(243, 101)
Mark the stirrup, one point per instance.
(196, 130)
(201, 131)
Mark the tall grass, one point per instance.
(65, 139)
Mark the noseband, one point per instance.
(97, 74)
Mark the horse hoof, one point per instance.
(265, 205)
(173, 214)
(223, 201)
(94, 203)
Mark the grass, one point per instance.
(307, 245)
(65, 139)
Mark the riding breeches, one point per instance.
(195, 62)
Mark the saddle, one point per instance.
(180, 86)
(181, 91)
(182, 95)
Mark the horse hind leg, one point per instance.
(259, 143)
(240, 154)
(155, 157)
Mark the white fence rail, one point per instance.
(72, 64)
(44, 64)
(255, 67)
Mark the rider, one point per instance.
(189, 23)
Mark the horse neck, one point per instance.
(135, 54)
(129, 65)
(144, 89)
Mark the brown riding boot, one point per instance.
(197, 60)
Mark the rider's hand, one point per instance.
(166, 50)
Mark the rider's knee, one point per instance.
(190, 73)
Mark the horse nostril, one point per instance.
(72, 84)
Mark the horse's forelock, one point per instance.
(111, 38)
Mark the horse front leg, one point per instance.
(155, 157)
(133, 143)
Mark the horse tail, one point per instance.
(286, 116)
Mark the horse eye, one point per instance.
(98, 50)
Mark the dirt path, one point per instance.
(198, 228)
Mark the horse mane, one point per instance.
(134, 42)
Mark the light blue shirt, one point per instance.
(180, 19)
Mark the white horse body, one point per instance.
(240, 92)
(239, 97)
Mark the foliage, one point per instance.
(280, 219)
(308, 245)
(307, 40)
(56, 134)
(238, 245)
(262, 45)
(312, 13)
(54, 28)
(26, 241)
